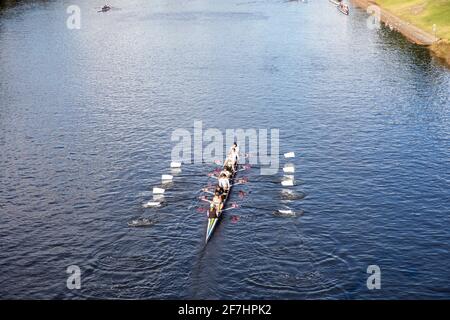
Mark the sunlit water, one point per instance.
(86, 118)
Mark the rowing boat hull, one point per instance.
(212, 222)
(334, 2)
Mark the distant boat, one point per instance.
(343, 8)
(105, 8)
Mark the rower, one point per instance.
(216, 203)
(226, 173)
(234, 159)
(229, 166)
(234, 152)
(234, 148)
(224, 182)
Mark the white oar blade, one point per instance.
(174, 164)
(289, 155)
(158, 191)
(289, 169)
(166, 177)
(152, 204)
(285, 213)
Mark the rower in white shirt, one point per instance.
(224, 182)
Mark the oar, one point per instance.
(234, 205)
(287, 183)
(289, 169)
(203, 198)
(205, 190)
(244, 167)
(289, 155)
(151, 204)
(216, 170)
(174, 164)
(158, 190)
(241, 181)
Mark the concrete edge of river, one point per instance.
(439, 47)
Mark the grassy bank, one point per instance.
(422, 21)
(423, 14)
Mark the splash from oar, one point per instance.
(141, 222)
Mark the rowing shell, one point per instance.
(212, 222)
(344, 10)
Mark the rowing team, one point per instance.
(342, 6)
(224, 185)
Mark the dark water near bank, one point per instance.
(86, 118)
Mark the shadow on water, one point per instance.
(416, 55)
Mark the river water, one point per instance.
(86, 118)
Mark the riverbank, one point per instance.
(416, 22)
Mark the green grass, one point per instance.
(422, 13)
